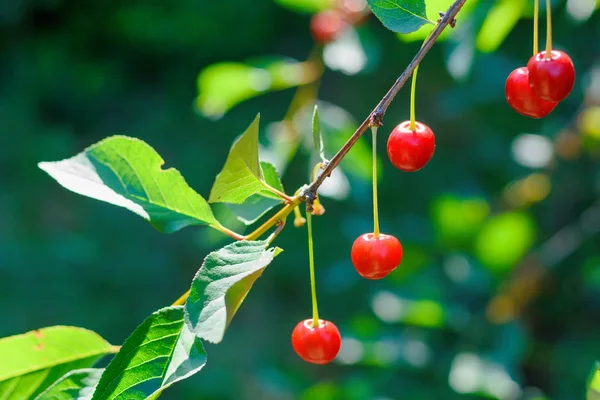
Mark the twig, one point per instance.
(309, 192)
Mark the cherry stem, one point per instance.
(548, 29)
(536, 23)
(413, 90)
(311, 261)
(375, 202)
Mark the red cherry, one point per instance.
(409, 150)
(520, 96)
(326, 26)
(375, 257)
(551, 79)
(316, 345)
(356, 12)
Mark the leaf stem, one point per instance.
(182, 299)
(413, 89)
(536, 24)
(279, 193)
(228, 232)
(281, 215)
(375, 202)
(548, 29)
(311, 261)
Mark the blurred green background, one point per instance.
(498, 295)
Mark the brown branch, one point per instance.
(309, 192)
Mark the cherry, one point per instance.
(374, 257)
(316, 344)
(326, 26)
(408, 149)
(551, 79)
(520, 96)
(356, 12)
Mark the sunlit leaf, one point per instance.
(504, 239)
(498, 24)
(160, 352)
(31, 362)
(457, 220)
(78, 384)
(241, 176)
(128, 173)
(433, 9)
(401, 16)
(224, 85)
(593, 386)
(222, 283)
(258, 205)
(317, 137)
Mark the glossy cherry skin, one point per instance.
(375, 257)
(521, 98)
(409, 150)
(551, 79)
(316, 345)
(327, 25)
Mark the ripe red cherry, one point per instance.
(409, 150)
(375, 257)
(326, 26)
(520, 96)
(316, 345)
(551, 79)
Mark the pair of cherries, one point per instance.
(373, 256)
(535, 90)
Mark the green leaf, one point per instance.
(160, 352)
(593, 386)
(401, 16)
(504, 239)
(258, 205)
(241, 176)
(77, 384)
(224, 85)
(127, 172)
(499, 22)
(222, 283)
(317, 137)
(32, 361)
(307, 6)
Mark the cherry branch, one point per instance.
(375, 118)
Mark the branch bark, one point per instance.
(375, 118)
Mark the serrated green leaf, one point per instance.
(160, 352)
(499, 22)
(222, 283)
(127, 172)
(316, 131)
(32, 361)
(307, 6)
(241, 176)
(593, 385)
(401, 16)
(78, 384)
(224, 85)
(258, 205)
